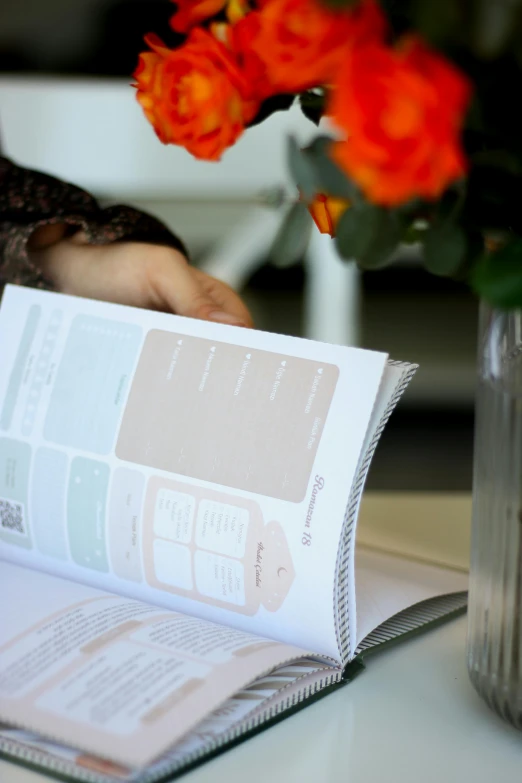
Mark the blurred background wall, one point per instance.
(66, 107)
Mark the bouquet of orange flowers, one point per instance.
(420, 93)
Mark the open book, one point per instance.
(178, 502)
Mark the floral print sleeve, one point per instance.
(30, 199)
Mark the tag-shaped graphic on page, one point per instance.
(277, 572)
(214, 547)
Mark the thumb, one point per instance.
(183, 293)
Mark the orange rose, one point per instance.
(238, 38)
(236, 10)
(192, 12)
(194, 96)
(326, 212)
(299, 44)
(402, 110)
(241, 38)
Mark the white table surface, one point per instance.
(412, 716)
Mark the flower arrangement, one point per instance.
(422, 97)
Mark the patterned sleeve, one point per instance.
(30, 199)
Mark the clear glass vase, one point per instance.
(494, 648)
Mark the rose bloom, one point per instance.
(240, 40)
(402, 111)
(326, 211)
(298, 44)
(191, 12)
(194, 96)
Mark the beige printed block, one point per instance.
(234, 416)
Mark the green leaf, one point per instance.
(474, 252)
(413, 234)
(492, 202)
(444, 249)
(274, 198)
(368, 234)
(497, 277)
(355, 232)
(329, 177)
(438, 21)
(494, 25)
(302, 170)
(292, 238)
(320, 142)
(498, 159)
(333, 182)
(312, 106)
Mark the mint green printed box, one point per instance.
(19, 367)
(87, 513)
(47, 498)
(91, 384)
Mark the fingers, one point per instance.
(142, 276)
(79, 238)
(225, 297)
(186, 291)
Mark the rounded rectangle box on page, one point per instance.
(91, 383)
(86, 513)
(231, 415)
(214, 547)
(48, 493)
(174, 515)
(124, 523)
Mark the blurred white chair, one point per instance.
(93, 133)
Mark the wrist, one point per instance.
(60, 263)
(42, 248)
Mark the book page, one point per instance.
(198, 466)
(387, 584)
(113, 676)
(251, 707)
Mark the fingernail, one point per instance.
(225, 318)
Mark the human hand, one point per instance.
(137, 274)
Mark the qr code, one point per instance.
(12, 517)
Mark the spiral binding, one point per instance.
(342, 586)
(412, 619)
